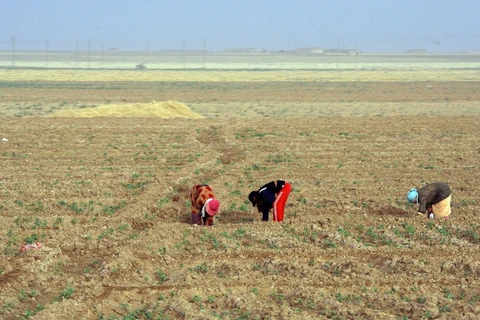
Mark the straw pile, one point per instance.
(154, 109)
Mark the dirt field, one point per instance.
(108, 197)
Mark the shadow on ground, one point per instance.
(391, 211)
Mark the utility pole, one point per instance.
(76, 53)
(356, 53)
(13, 52)
(184, 49)
(204, 51)
(46, 52)
(125, 52)
(147, 54)
(88, 53)
(338, 48)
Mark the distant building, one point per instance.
(245, 50)
(350, 52)
(184, 52)
(475, 52)
(416, 51)
(313, 50)
(323, 51)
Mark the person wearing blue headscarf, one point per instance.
(434, 197)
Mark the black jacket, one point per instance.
(432, 193)
(268, 192)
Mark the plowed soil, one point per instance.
(108, 200)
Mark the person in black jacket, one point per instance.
(272, 195)
(434, 197)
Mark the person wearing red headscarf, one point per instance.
(204, 204)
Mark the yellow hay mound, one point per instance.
(154, 109)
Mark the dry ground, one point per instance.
(108, 199)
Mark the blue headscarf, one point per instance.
(412, 195)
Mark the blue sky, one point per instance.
(369, 25)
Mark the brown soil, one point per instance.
(108, 200)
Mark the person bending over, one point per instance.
(204, 204)
(272, 195)
(434, 197)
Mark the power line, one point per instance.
(8, 41)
